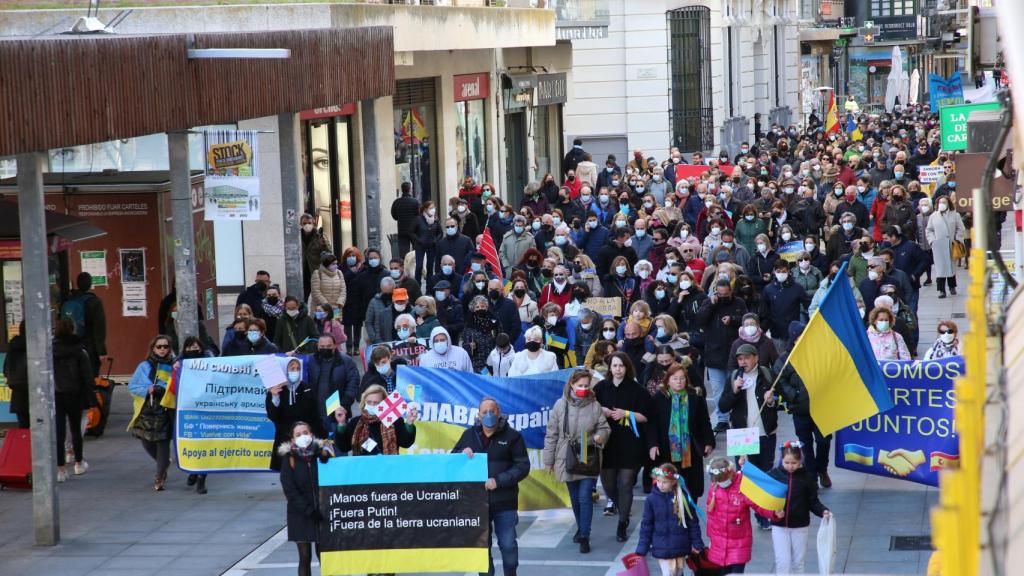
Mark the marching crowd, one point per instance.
(717, 264)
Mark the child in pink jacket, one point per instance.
(728, 518)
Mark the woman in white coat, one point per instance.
(944, 226)
(533, 360)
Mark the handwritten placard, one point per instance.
(929, 174)
(742, 441)
(611, 306)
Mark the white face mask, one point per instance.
(750, 331)
(781, 276)
(292, 313)
(441, 347)
(872, 275)
(552, 320)
(586, 325)
(947, 338)
(804, 265)
(762, 248)
(685, 284)
(809, 247)
(725, 483)
(384, 369)
(786, 236)
(304, 440)
(307, 228)
(608, 334)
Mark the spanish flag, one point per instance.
(831, 115)
(762, 489)
(834, 359)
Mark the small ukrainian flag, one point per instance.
(333, 403)
(762, 489)
(864, 455)
(556, 341)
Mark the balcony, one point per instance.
(579, 19)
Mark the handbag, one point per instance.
(957, 250)
(577, 461)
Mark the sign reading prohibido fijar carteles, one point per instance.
(402, 514)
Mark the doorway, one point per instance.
(515, 156)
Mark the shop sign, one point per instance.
(519, 90)
(953, 123)
(896, 27)
(329, 111)
(551, 89)
(471, 87)
(969, 169)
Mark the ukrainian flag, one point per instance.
(834, 359)
(333, 403)
(556, 341)
(762, 489)
(860, 454)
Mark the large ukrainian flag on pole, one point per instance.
(834, 359)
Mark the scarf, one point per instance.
(679, 428)
(272, 310)
(752, 339)
(388, 438)
(942, 350)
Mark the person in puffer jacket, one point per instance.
(790, 525)
(729, 533)
(669, 530)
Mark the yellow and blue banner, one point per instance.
(221, 423)
(409, 513)
(917, 437)
(5, 397)
(790, 251)
(762, 489)
(836, 363)
(449, 401)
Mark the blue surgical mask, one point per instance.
(556, 221)
(320, 314)
(641, 233)
(659, 294)
(374, 262)
(661, 333)
(620, 270)
(624, 208)
(441, 347)
(518, 229)
(396, 274)
(440, 296)
(609, 169)
(451, 230)
(489, 419)
(350, 261)
(490, 208)
(560, 240)
(254, 336)
(671, 278)
(403, 333)
(446, 269)
(475, 266)
(294, 377)
(536, 225)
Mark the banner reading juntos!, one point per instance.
(916, 438)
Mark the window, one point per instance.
(470, 141)
(690, 115)
(884, 8)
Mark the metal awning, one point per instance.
(70, 228)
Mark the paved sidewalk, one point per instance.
(113, 523)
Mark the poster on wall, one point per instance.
(133, 265)
(232, 186)
(5, 397)
(95, 263)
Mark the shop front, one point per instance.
(547, 125)
(517, 92)
(415, 127)
(328, 145)
(131, 264)
(471, 92)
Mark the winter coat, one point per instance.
(508, 317)
(609, 252)
(291, 332)
(367, 285)
(301, 488)
(900, 214)
(455, 358)
(767, 352)
(586, 171)
(507, 461)
(335, 374)
(550, 294)
(429, 323)
(569, 418)
(373, 377)
(718, 336)
(809, 280)
(661, 532)
(405, 435)
(335, 329)
(404, 211)
(888, 345)
(16, 373)
(242, 347)
(746, 232)
(352, 313)
(459, 247)
(810, 214)
(313, 245)
(451, 316)
(95, 337)
(379, 324)
(762, 265)
(784, 301)
(839, 241)
(478, 339)
(151, 421)
(513, 247)
(794, 392)
(298, 403)
(522, 365)
(591, 241)
(911, 259)
(701, 436)
(942, 229)
(730, 537)
(72, 371)
(498, 362)
(801, 498)
(624, 449)
(528, 309)
(425, 234)
(737, 402)
(327, 287)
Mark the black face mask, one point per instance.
(239, 334)
(493, 294)
(325, 353)
(533, 346)
(520, 292)
(261, 286)
(546, 273)
(273, 300)
(192, 354)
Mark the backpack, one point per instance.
(74, 309)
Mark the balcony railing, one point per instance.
(579, 19)
(822, 12)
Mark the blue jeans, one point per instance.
(582, 503)
(715, 384)
(504, 525)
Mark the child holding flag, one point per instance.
(790, 525)
(729, 530)
(669, 530)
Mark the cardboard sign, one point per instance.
(929, 174)
(269, 370)
(606, 307)
(742, 441)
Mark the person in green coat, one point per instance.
(748, 226)
(294, 326)
(425, 311)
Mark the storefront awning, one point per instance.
(70, 228)
(820, 34)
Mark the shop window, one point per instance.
(542, 144)
(471, 140)
(330, 176)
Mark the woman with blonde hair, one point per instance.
(586, 273)
(577, 425)
(366, 435)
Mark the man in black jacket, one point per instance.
(329, 371)
(404, 210)
(507, 466)
(720, 316)
(816, 445)
(574, 156)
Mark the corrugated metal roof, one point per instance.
(66, 91)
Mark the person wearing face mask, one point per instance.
(253, 294)
(499, 361)
(326, 323)
(444, 353)
(686, 303)
(380, 313)
(784, 300)
(301, 486)
(886, 342)
(748, 227)
(499, 218)
(295, 326)
(397, 273)
(192, 349)
(354, 310)
(425, 314)
(610, 172)
(620, 282)
(532, 267)
(576, 418)
(447, 273)
(534, 359)
(364, 287)
(515, 243)
(920, 237)
(658, 296)
(853, 205)
(469, 224)
(481, 332)
(720, 318)
(947, 343)
(152, 423)
(558, 291)
(507, 465)
(457, 247)
(273, 308)
(536, 201)
(450, 312)
(328, 283)
(806, 275)
(520, 296)
(313, 245)
(405, 328)
(290, 402)
(427, 231)
(253, 340)
(592, 236)
(945, 226)
(588, 331)
(762, 262)
(728, 517)
(843, 238)
(877, 277)
(751, 333)
(381, 370)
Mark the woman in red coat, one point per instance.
(728, 521)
